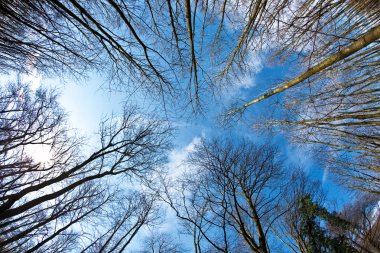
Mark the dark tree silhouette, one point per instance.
(44, 202)
(228, 199)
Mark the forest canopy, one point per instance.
(191, 57)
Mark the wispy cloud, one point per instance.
(33, 78)
(178, 156)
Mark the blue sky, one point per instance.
(88, 101)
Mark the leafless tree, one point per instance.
(288, 228)
(227, 201)
(126, 40)
(165, 44)
(159, 242)
(125, 218)
(334, 103)
(363, 214)
(44, 202)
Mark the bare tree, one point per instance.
(110, 36)
(125, 218)
(288, 228)
(334, 103)
(159, 242)
(228, 199)
(363, 214)
(165, 44)
(42, 203)
(337, 114)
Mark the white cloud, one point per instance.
(178, 156)
(33, 78)
(325, 175)
(254, 66)
(176, 168)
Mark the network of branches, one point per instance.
(236, 196)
